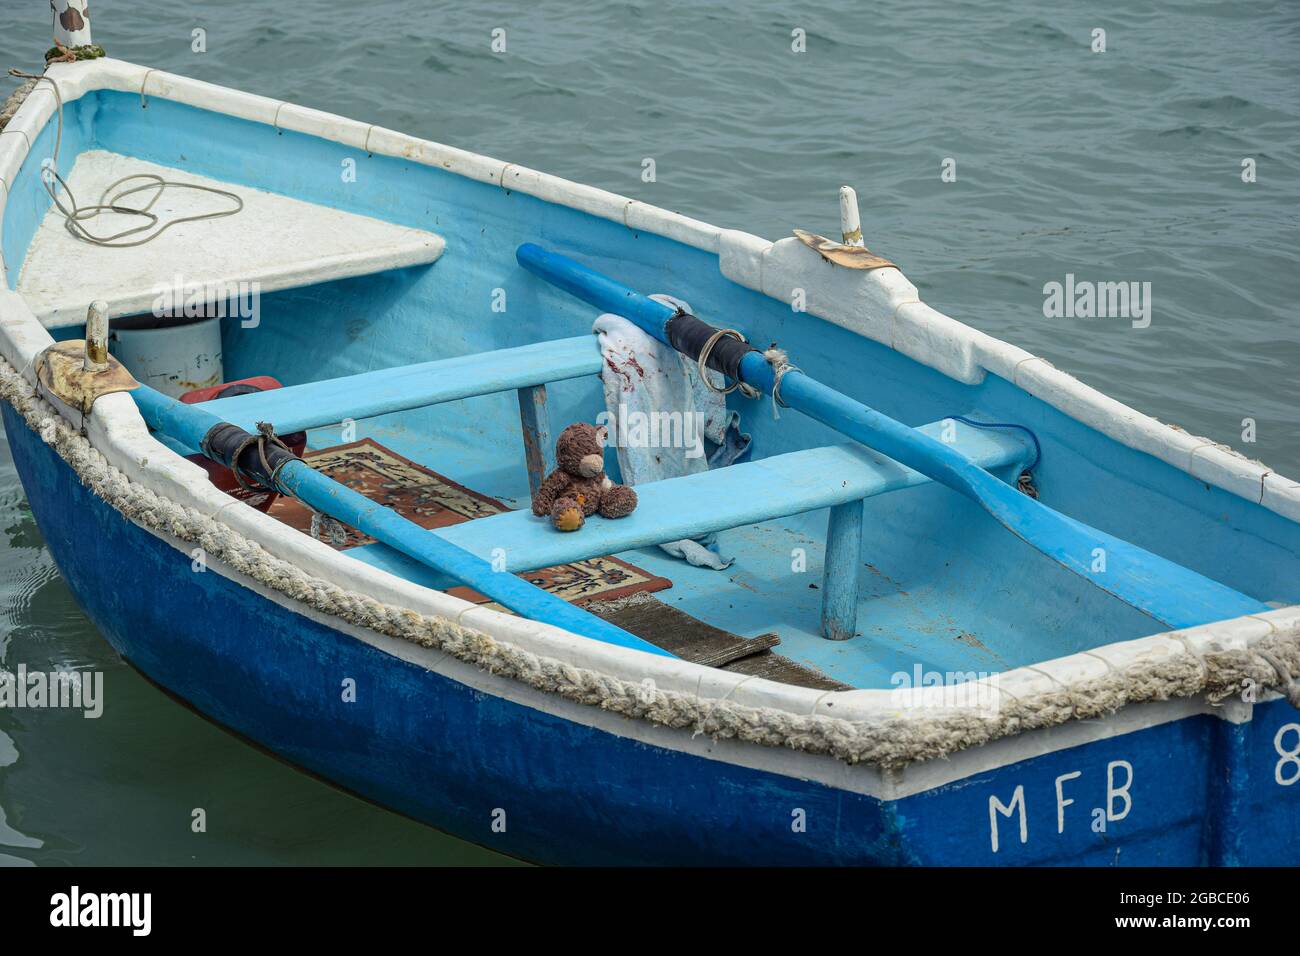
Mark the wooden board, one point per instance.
(687, 507)
(300, 407)
(693, 640)
(274, 241)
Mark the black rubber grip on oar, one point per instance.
(688, 335)
(225, 442)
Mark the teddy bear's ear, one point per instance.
(602, 435)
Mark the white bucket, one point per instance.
(174, 356)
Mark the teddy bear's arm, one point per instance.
(548, 491)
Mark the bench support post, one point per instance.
(536, 424)
(840, 575)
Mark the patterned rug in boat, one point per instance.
(434, 501)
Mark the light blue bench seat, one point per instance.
(367, 394)
(526, 369)
(838, 477)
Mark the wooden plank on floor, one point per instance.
(693, 640)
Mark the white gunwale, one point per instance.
(880, 304)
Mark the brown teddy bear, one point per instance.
(578, 487)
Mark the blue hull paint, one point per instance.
(1194, 791)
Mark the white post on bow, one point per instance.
(71, 22)
(850, 224)
(95, 357)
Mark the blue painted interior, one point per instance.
(941, 584)
(371, 394)
(1170, 593)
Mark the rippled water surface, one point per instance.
(1122, 165)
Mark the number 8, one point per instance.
(1288, 757)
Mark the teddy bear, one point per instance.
(578, 487)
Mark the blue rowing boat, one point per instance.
(281, 385)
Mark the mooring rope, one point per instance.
(1289, 685)
(15, 100)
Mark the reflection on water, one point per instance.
(8, 835)
(122, 788)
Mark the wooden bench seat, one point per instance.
(838, 477)
(367, 394)
(526, 369)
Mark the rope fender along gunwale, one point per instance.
(891, 742)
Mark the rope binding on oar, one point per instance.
(722, 351)
(780, 362)
(1025, 481)
(701, 361)
(227, 444)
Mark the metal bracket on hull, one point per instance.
(61, 372)
(842, 254)
(78, 371)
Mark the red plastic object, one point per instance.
(221, 476)
(258, 383)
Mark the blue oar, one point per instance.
(222, 441)
(1172, 594)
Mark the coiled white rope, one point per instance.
(75, 214)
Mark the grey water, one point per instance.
(995, 147)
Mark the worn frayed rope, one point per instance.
(893, 741)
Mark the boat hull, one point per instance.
(536, 785)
